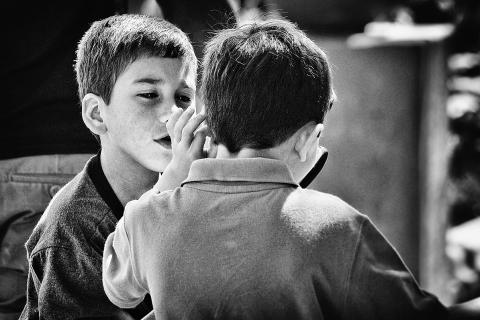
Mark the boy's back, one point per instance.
(240, 240)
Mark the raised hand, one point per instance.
(188, 137)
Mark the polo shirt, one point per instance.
(241, 240)
(65, 251)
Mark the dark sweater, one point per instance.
(65, 251)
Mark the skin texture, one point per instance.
(132, 127)
(142, 100)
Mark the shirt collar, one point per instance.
(246, 170)
(104, 189)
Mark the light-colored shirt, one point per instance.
(241, 240)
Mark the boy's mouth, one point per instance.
(165, 142)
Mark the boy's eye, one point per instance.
(148, 95)
(184, 98)
(183, 101)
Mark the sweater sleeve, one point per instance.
(381, 286)
(119, 280)
(61, 284)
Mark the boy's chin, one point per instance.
(159, 164)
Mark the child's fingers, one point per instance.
(191, 126)
(177, 112)
(182, 121)
(199, 141)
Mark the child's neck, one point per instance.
(283, 152)
(270, 153)
(128, 179)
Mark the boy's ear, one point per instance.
(92, 115)
(307, 139)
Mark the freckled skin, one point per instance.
(141, 101)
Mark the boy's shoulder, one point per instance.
(72, 216)
(308, 212)
(313, 214)
(151, 206)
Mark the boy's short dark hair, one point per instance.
(261, 82)
(111, 44)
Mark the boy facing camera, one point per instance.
(134, 73)
(240, 239)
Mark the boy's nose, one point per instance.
(165, 114)
(164, 117)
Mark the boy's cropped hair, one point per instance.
(261, 82)
(111, 44)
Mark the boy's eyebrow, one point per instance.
(158, 80)
(149, 80)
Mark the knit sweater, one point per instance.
(65, 251)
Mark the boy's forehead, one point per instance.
(162, 68)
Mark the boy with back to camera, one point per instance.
(132, 71)
(240, 239)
